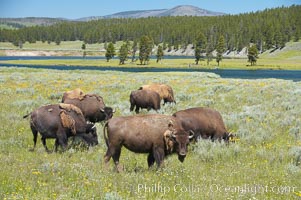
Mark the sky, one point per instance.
(74, 9)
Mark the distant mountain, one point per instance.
(184, 10)
(189, 11)
(29, 21)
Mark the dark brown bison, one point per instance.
(206, 123)
(165, 91)
(61, 121)
(155, 134)
(144, 99)
(92, 106)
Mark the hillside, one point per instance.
(182, 10)
(29, 21)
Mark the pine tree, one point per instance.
(200, 47)
(123, 53)
(160, 53)
(220, 49)
(145, 49)
(57, 40)
(110, 53)
(84, 50)
(209, 50)
(252, 54)
(134, 49)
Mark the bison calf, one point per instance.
(144, 99)
(156, 134)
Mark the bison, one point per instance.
(61, 121)
(144, 99)
(165, 91)
(206, 123)
(92, 106)
(155, 134)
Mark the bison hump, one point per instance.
(67, 121)
(75, 94)
(99, 98)
(70, 107)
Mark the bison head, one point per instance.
(91, 135)
(108, 111)
(176, 140)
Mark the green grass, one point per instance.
(265, 114)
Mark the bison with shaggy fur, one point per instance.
(206, 123)
(60, 121)
(92, 106)
(165, 91)
(155, 134)
(144, 99)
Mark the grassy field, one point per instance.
(265, 163)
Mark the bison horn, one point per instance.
(191, 134)
(114, 110)
(173, 135)
(102, 110)
(93, 127)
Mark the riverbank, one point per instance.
(264, 63)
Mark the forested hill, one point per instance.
(269, 28)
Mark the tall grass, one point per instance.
(264, 163)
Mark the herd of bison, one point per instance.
(156, 134)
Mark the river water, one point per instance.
(294, 75)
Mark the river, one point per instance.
(294, 75)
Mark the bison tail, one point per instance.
(105, 129)
(25, 116)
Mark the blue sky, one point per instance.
(74, 9)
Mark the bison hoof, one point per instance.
(119, 168)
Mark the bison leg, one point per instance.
(159, 156)
(132, 107)
(62, 138)
(56, 144)
(137, 110)
(115, 154)
(150, 160)
(116, 157)
(43, 139)
(108, 156)
(35, 136)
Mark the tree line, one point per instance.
(267, 29)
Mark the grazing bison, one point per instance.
(165, 91)
(144, 99)
(61, 121)
(204, 122)
(155, 134)
(92, 106)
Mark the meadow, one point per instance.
(263, 163)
